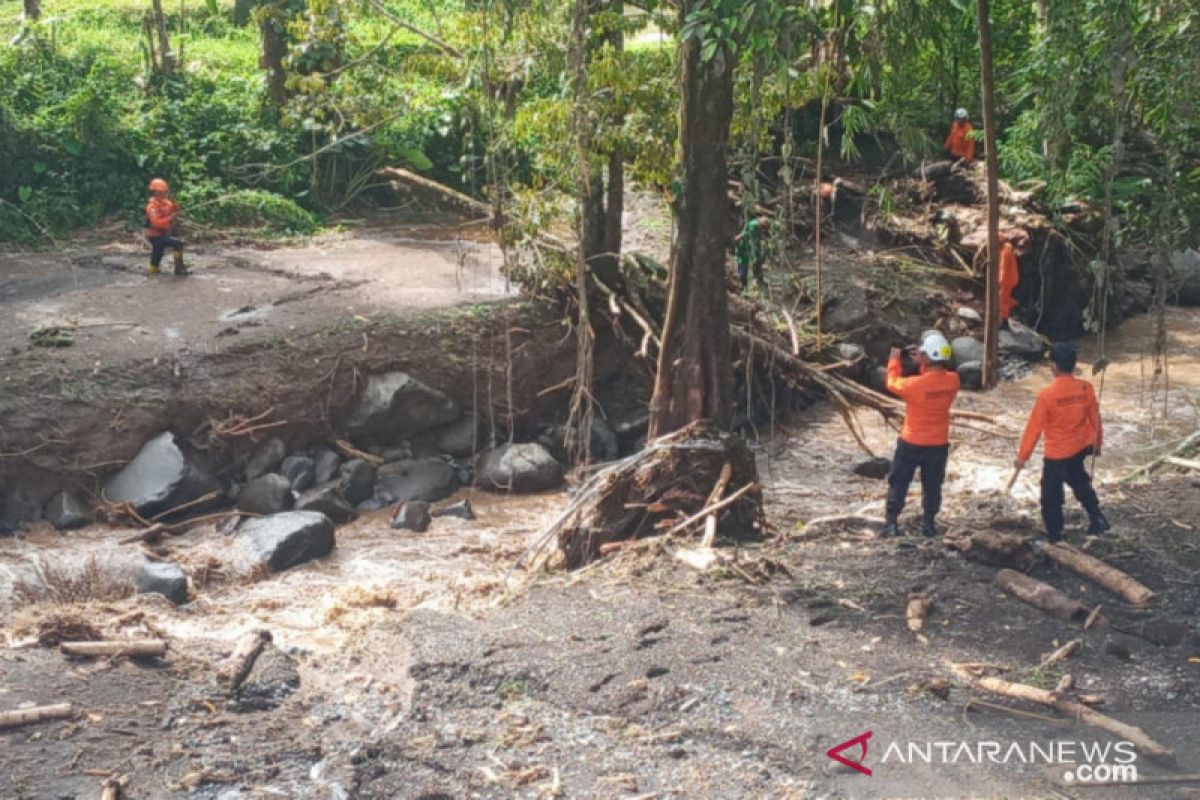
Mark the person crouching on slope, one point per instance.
(924, 442)
(1068, 413)
(161, 212)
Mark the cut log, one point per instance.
(26, 716)
(110, 789)
(1065, 683)
(918, 608)
(1066, 651)
(1042, 595)
(1097, 571)
(992, 547)
(134, 648)
(234, 671)
(1088, 716)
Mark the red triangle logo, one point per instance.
(835, 753)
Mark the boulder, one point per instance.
(283, 541)
(518, 468)
(370, 504)
(969, 314)
(163, 578)
(1186, 268)
(19, 505)
(161, 476)
(426, 479)
(412, 516)
(401, 452)
(460, 510)
(272, 679)
(462, 438)
(325, 464)
(970, 375)
(265, 460)
(397, 406)
(66, 511)
(604, 443)
(300, 471)
(848, 351)
(357, 480)
(268, 494)
(1021, 342)
(877, 468)
(327, 498)
(966, 349)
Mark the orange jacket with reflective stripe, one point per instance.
(957, 142)
(160, 213)
(1068, 414)
(927, 401)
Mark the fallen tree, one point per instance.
(1042, 595)
(1097, 571)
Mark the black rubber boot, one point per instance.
(890, 528)
(929, 528)
(1099, 524)
(180, 269)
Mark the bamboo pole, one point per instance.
(25, 716)
(135, 648)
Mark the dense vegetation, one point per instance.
(1093, 102)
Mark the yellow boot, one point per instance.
(154, 270)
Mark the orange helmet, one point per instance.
(159, 185)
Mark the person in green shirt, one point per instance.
(750, 253)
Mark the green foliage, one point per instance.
(208, 204)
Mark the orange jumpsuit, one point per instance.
(1068, 413)
(959, 145)
(1010, 276)
(160, 213)
(924, 441)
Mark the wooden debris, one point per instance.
(918, 608)
(134, 648)
(821, 525)
(1065, 684)
(234, 671)
(110, 789)
(992, 547)
(698, 558)
(1092, 699)
(26, 716)
(1066, 651)
(1092, 617)
(1016, 712)
(1041, 595)
(1185, 463)
(350, 451)
(1088, 716)
(713, 509)
(1097, 571)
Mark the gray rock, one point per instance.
(401, 452)
(273, 678)
(461, 510)
(357, 480)
(426, 479)
(370, 504)
(327, 498)
(268, 494)
(605, 446)
(848, 351)
(66, 511)
(283, 541)
(300, 471)
(877, 468)
(397, 406)
(412, 516)
(1185, 265)
(20, 505)
(161, 476)
(325, 464)
(518, 468)
(462, 438)
(1021, 342)
(969, 314)
(163, 578)
(265, 460)
(970, 375)
(966, 349)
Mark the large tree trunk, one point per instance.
(991, 334)
(695, 372)
(241, 12)
(605, 204)
(274, 50)
(33, 9)
(166, 57)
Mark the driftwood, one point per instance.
(1066, 651)
(1088, 716)
(1041, 595)
(1065, 683)
(918, 608)
(350, 451)
(821, 525)
(1184, 448)
(110, 789)
(134, 648)
(1095, 570)
(155, 532)
(992, 547)
(234, 671)
(26, 716)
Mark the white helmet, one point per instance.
(936, 347)
(961, 113)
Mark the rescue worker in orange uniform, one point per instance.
(1068, 414)
(161, 212)
(924, 441)
(959, 143)
(1010, 276)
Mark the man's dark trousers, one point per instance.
(931, 460)
(1071, 471)
(159, 244)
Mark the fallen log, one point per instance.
(1065, 683)
(1088, 716)
(234, 671)
(1066, 651)
(992, 547)
(134, 648)
(1097, 571)
(918, 608)
(26, 716)
(1041, 595)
